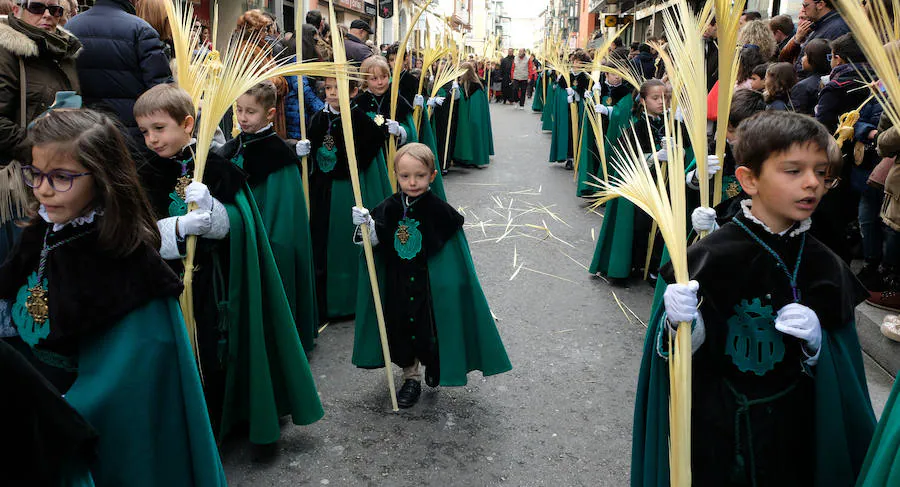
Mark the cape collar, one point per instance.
(795, 230)
(75, 222)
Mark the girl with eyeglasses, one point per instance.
(93, 297)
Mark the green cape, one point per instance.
(342, 265)
(562, 126)
(882, 465)
(549, 107)
(474, 138)
(267, 374)
(466, 333)
(138, 386)
(840, 397)
(537, 101)
(589, 159)
(283, 209)
(427, 137)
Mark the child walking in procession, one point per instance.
(274, 178)
(330, 193)
(93, 296)
(435, 311)
(252, 360)
(779, 391)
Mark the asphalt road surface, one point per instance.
(561, 417)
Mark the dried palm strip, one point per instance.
(685, 64)
(593, 118)
(878, 34)
(223, 82)
(395, 89)
(728, 16)
(299, 19)
(431, 56)
(665, 203)
(340, 56)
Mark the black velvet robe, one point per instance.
(369, 139)
(211, 263)
(741, 290)
(409, 311)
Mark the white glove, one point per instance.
(419, 101)
(197, 192)
(362, 216)
(662, 154)
(681, 302)
(704, 219)
(601, 109)
(570, 99)
(394, 128)
(303, 147)
(679, 115)
(570, 92)
(455, 90)
(713, 165)
(596, 87)
(802, 322)
(586, 95)
(197, 222)
(436, 101)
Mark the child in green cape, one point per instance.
(252, 360)
(375, 101)
(779, 391)
(435, 311)
(330, 192)
(474, 136)
(93, 296)
(274, 178)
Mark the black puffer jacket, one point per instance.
(122, 58)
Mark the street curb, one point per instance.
(883, 351)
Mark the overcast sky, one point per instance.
(524, 8)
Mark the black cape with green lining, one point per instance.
(274, 178)
(762, 418)
(331, 198)
(253, 364)
(448, 315)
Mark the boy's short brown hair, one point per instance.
(265, 94)
(417, 151)
(770, 132)
(166, 98)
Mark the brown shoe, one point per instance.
(888, 300)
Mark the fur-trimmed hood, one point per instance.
(23, 40)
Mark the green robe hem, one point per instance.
(467, 335)
(267, 373)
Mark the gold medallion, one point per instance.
(379, 120)
(733, 189)
(181, 185)
(37, 304)
(403, 234)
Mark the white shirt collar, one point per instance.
(76, 222)
(328, 109)
(267, 127)
(793, 229)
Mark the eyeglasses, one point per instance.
(805, 5)
(38, 8)
(60, 179)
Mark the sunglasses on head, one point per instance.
(38, 8)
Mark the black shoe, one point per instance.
(569, 165)
(445, 172)
(408, 395)
(872, 278)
